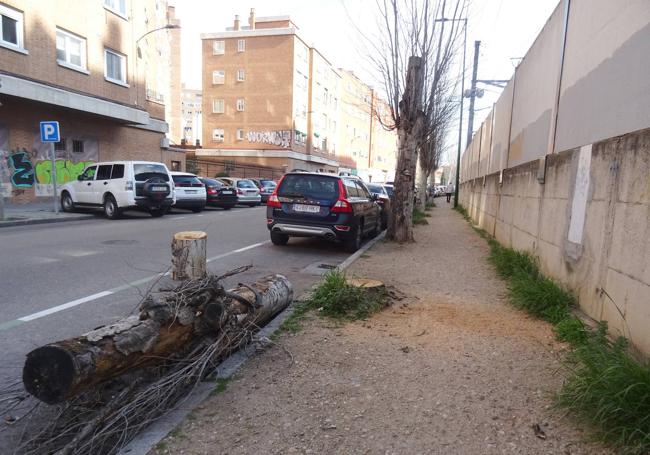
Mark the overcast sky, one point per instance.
(506, 29)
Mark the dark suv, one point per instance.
(321, 205)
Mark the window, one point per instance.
(240, 135)
(241, 45)
(77, 146)
(115, 67)
(241, 75)
(350, 188)
(117, 6)
(240, 105)
(60, 146)
(218, 47)
(104, 172)
(70, 50)
(176, 166)
(218, 77)
(217, 135)
(89, 173)
(145, 171)
(11, 28)
(118, 171)
(218, 106)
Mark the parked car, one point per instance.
(247, 192)
(219, 193)
(190, 192)
(383, 199)
(116, 186)
(390, 189)
(266, 188)
(322, 205)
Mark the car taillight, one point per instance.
(239, 191)
(129, 185)
(342, 205)
(211, 190)
(273, 200)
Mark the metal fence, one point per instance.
(206, 168)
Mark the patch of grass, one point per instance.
(177, 433)
(337, 299)
(430, 205)
(419, 217)
(606, 387)
(572, 330)
(463, 211)
(161, 446)
(221, 386)
(609, 389)
(293, 323)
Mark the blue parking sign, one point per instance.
(50, 132)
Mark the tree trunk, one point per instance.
(400, 225)
(189, 255)
(423, 178)
(168, 324)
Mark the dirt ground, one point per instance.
(451, 369)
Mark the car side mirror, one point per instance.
(374, 197)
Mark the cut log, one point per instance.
(189, 255)
(168, 325)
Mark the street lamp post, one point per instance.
(462, 91)
(139, 52)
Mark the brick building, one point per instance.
(271, 99)
(191, 115)
(87, 65)
(268, 97)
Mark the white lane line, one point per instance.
(64, 306)
(99, 295)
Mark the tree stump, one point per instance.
(189, 255)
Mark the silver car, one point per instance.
(247, 192)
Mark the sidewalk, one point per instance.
(451, 369)
(37, 213)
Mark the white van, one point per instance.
(115, 186)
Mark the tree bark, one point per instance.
(423, 178)
(189, 255)
(168, 324)
(400, 226)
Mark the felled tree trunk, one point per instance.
(168, 324)
(189, 255)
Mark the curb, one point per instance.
(145, 441)
(26, 222)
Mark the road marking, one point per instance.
(41, 314)
(79, 254)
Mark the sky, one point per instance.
(506, 29)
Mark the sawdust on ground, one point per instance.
(450, 369)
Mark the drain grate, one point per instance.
(120, 242)
(326, 266)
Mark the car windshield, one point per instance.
(145, 171)
(213, 182)
(186, 180)
(224, 182)
(377, 189)
(310, 186)
(245, 184)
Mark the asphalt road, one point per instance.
(61, 280)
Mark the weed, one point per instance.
(463, 211)
(292, 323)
(510, 263)
(610, 390)
(419, 217)
(430, 205)
(572, 330)
(335, 298)
(221, 386)
(161, 446)
(540, 296)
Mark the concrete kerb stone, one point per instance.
(155, 433)
(30, 221)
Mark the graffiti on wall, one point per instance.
(21, 168)
(279, 138)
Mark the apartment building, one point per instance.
(191, 116)
(268, 97)
(100, 68)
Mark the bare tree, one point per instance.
(412, 52)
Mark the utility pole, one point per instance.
(472, 93)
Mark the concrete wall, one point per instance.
(588, 223)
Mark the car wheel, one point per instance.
(227, 207)
(157, 213)
(111, 210)
(67, 205)
(279, 239)
(197, 209)
(354, 244)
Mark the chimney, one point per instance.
(251, 19)
(236, 27)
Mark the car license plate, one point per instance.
(158, 188)
(226, 192)
(306, 208)
(190, 191)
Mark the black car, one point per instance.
(266, 187)
(383, 199)
(219, 194)
(321, 205)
